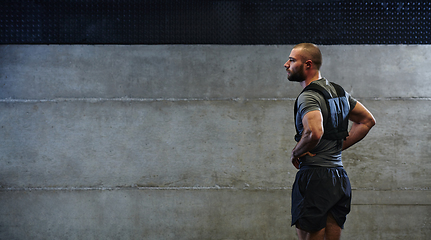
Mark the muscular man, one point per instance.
(321, 193)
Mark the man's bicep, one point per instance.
(313, 122)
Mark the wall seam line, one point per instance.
(12, 189)
(15, 100)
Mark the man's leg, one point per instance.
(304, 235)
(332, 230)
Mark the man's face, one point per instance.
(295, 67)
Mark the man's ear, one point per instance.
(308, 63)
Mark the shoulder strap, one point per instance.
(339, 89)
(315, 87)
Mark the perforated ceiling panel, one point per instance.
(214, 22)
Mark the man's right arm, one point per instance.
(363, 121)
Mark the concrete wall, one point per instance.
(193, 142)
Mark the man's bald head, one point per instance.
(310, 51)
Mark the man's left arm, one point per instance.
(311, 135)
(363, 121)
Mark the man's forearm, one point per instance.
(356, 134)
(306, 144)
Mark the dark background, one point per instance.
(214, 22)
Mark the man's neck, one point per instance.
(307, 81)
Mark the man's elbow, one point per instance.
(317, 136)
(371, 122)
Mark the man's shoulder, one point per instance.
(310, 99)
(327, 88)
(316, 89)
(309, 94)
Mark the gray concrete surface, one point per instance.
(193, 141)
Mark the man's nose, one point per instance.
(287, 65)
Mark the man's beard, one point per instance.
(298, 76)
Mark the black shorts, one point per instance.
(318, 191)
